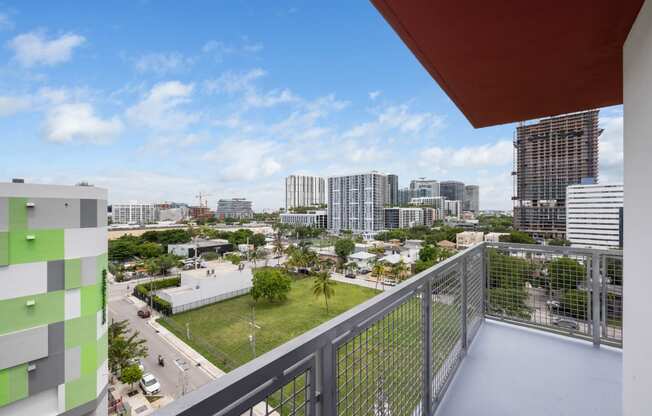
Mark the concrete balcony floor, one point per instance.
(510, 370)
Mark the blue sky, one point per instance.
(159, 100)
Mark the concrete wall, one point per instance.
(637, 79)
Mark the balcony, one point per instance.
(498, 329)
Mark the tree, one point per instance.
(277, 245)
(123, 248)
(152, 267)
(565, 273)
(324, 286)
(167, 262)
(559, 242)
(506, 284)
(258, 240)
(131, 375)
(378, 270)
(344, 248)
(517, 237)
(124, 345)
(148, 250)
(574, 303)
(270, 284)
(400, 270)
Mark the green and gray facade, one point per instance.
(53, 329)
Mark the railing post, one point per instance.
(483, 280)
(596, 290)
(427, 346)
(464, 300)
(326, 381)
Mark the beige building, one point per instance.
(468, 238)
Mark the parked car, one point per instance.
(144, 313)
(567, 323)
(350, 275)
(364, 271)
(150, 384)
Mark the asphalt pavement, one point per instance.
(121, 306)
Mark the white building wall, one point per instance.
(637, 79)
(593, 215)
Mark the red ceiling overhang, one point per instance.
(506, 61)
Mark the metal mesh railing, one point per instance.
(293, 399)
(612, 299)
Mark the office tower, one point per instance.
(550, 155)
(135, 213)
(453, 209)
(594, 216)
(53, 322)
(404, 196)
(423, 187)
(234, 208)
(452, 190)
(356, 202)
(472, 198)
(392, 190)
(304, 191)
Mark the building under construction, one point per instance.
(550, 155)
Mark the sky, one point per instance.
(161, 100)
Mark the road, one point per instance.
(121, 307)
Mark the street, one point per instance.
(122, 307)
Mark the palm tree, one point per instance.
(398, 270)
(378, 270)
(324, 286)
(278, 245)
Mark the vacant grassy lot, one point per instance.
(221, 331)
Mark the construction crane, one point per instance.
(203, 202)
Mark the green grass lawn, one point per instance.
(221, 331)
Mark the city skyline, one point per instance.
(225, 110)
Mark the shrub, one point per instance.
(270, 284)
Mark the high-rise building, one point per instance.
(356, 202)
(135, 213)
(452, 190)
(424, 187)
(392, 190)
(453, 209)
(304, 191)
(404, 196)
(53, 318)
(234, 208)
(550, 155)
(472, 198)
(594, 216)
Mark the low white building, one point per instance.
(362, 259)
(219, 281)
(466, 239)
(316, 219)
(493, 237)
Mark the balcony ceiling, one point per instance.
(506, 61)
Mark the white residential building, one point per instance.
(493, 237)
(356, 202)
(436, 202)
(466, 239)
(453, 208)
(235, 208)
(316, 219)
(594, 216)
(135, 213)
(398, 217)
(304, 191)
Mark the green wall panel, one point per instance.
(91, 299)
(13, 384)
(16, 315)
(102, 264)
(102, 349)
(80, 331)
(81, 390)
(17, 214)
(47, 245)
(89, 358)
(4, 248)
(73, 273)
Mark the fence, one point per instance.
(397, 353)
(203, 302)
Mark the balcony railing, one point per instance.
(397, 353)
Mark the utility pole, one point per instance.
(187, 330)
(253, 326)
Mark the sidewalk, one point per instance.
(358, 281)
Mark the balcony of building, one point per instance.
(498, 329)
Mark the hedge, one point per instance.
(141, 291)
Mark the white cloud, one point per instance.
(374, 94)
(245, 159)
(10, 105)
(5, 22)
(34, 49)
(231, 82)
(270, 98)
(160, 107)
(497, 154)
(163, 62)
(398, 119)
(77, 121)
(217, 46)
(219, 49)
(611, 152)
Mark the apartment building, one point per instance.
(436, 202)
(397, 217)
(550, 155)
(472, 198)
(392, 190)
(594, 216)
(234, 208)
(430, 215)
(356, 202)
(135, 213)
(466, 239)
(316, 219)
(53, 322)
(453, 209)
(304, 191)
(452, 190)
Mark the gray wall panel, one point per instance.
(102, 214)
(4, 214)
(88, 271)
(56, 275)
(88, 213)
(49, 373)
(53, 213)
(73, 363)
(23, 346)
(56, 338)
